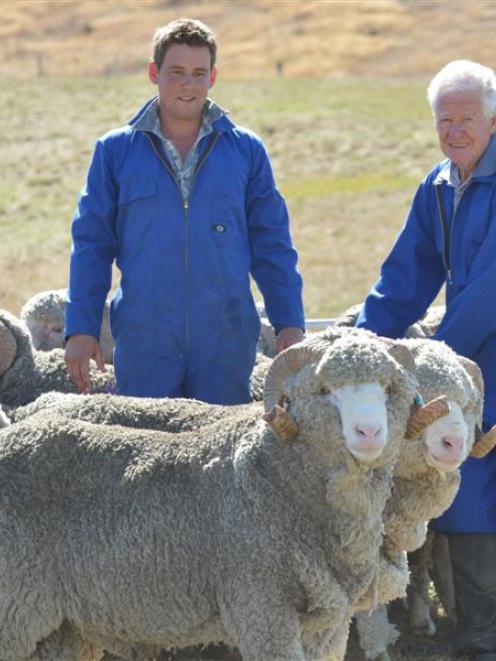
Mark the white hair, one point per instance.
(465, 75)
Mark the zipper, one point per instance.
(164, 161)
(446, 255)
(210, 146)
(186, 272)
(167, 166)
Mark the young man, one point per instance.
(450, 238)
(185, 203)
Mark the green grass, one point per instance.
(348, 155)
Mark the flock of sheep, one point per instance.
(130, 526)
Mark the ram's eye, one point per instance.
(324, 390)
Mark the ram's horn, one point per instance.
(286, 363)
(484, 443)
(8, 348)
(474, 371)
(281, 423)
(422, 417)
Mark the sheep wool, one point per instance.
(163, 414)
(43, 314)
(34, 372)
(145, 540)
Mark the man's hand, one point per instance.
(288, 336)
(79, 350)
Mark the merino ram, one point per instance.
(262, 535)
(426, 476)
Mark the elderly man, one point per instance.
(450, 238)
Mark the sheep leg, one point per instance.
(375, 632)
(263, 628)
(419, 603)
(442, 575)
(22, 626)
(339, 642)
(65, 645)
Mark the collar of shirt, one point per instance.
(184, 169)
(150, 119)
(484, 168)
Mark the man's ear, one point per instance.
(153, 72)
(493, 124)
(213, 77)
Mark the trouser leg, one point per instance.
(142, 372)
(473, 557)
(220, 378)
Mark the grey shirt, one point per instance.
(183, 169)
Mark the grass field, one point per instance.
(348, 155)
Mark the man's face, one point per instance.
(183, 81)
(463, 129)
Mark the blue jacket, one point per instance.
(462, 256)
(184, 313)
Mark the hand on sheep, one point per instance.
(78, 352)
(288, 336)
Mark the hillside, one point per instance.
(258, 38)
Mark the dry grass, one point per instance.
(347, 166)
(314, 38)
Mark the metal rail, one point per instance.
(318, 324)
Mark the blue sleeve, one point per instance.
(411, 276)
(471, 315)
(273, 257)
(93, 247)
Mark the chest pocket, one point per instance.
(135, 190)
(137, 215)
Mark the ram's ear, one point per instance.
(402, 355)
(474, 371)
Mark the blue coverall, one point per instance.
(183, 318)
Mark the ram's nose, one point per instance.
(452, 443)
(371, 433)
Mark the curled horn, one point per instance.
(474, 372)
(281, 423)
(286, 363)
(484, 443)
(424, 416)
(8, 348)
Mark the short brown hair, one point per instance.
(183, 31)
